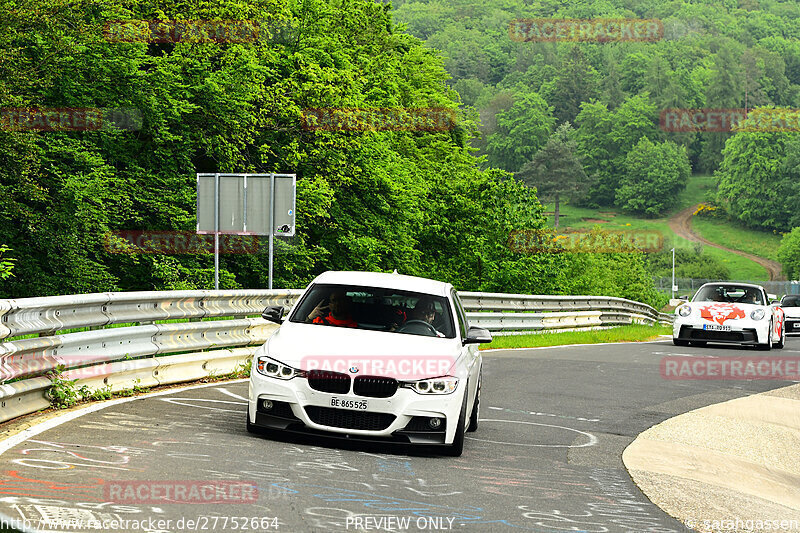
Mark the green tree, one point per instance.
(556, 171)
(6, 263)
(752, 180)
(655, 173)
(789, 253)
(613, 95)
(689, 263)
(605, 137)
(726, 91)
(577, 82)
(520, 132)
(612, 274)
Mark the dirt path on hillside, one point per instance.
(681, 224)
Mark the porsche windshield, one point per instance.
(730, 294)
(375, 308)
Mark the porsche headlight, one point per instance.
(757, 314)
(442, 385)
(275, 369)
(685, 310)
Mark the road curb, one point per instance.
(735, 460)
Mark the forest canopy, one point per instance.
(733, 55)
(433, 203)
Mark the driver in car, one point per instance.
(426, 312)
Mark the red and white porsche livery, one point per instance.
(729, 313)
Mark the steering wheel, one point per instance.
(430, 328)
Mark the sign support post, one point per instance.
(226, 205)
(216, 232)
(271, 225)
(673, 275)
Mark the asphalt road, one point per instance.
(546, 457)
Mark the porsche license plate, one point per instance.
(358, 405)
(716, 327)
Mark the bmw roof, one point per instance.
(381, 279)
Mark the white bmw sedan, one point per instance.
(737, 313)
(372, 356)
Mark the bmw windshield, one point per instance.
(376, 308)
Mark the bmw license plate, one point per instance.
(358, 405)
(716, 327)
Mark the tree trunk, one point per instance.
(556, 211)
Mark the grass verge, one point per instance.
(609, 218)
(733, 235)
(741, 268)
(620, 334)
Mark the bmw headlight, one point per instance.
(275, 369)
(685, 310)
(442, 385)
(757, 314)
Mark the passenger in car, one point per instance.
(717, 297)
(397, 318)
(337, 312)
(750, 298)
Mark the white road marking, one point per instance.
(177, 401)
(592, 438)
(231, 394)
(28, 433)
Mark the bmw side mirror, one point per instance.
(273, 314)
(477, 335)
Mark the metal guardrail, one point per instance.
(153, 352)
(688, 286)
(500, 312)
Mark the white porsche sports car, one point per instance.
(729, 313)
(372, 356)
